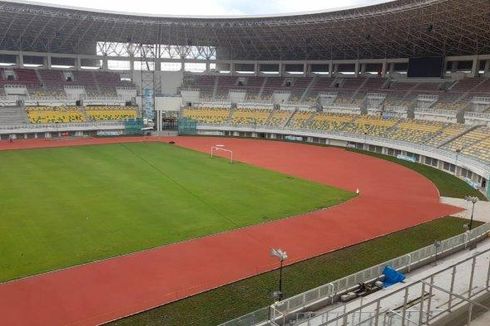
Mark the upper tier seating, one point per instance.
(44, 83)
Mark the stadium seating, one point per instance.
(471, 138)
(415, 131)
(48, 114)
(370, 125)
(250, 116)
(300, 119)
(481, 149)
(446, 134)
(45, 83)
(330, 121)
(279, 118)
(207, 115)
(97, 113)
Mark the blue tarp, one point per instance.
(392, 276)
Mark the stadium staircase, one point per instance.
(38, 74)
(469, 91)
(361, 86)
(215, 87)
(289, 118)
(268, 121)
(409, 91)
(306, 93)
(12, 115)
(97, 86)
(307, 123)
(229, 119)
(262, 87)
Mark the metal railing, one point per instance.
(328, 293)
(62, 126)
(421, 302)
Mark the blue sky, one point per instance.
(212, 7)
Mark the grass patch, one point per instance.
(66, 206)
(448, 184)
(230, 301)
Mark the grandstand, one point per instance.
(408, 79)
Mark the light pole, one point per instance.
(282, 256)
(473, 200)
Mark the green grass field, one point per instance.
(234, 300)
(66, 206)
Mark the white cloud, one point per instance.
(209, 7)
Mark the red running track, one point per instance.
(391, 198)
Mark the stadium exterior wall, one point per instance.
(480, 171)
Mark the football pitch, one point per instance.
(66, 206)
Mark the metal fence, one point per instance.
(328, 292)
(422, 302)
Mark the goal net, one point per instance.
(220, 148)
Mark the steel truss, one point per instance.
(397, 29)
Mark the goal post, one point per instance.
(220, 148)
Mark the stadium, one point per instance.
(317, 168)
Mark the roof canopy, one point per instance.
(398, 29)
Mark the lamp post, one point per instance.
(473, 200)
(282, 256)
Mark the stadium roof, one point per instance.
(397, 29)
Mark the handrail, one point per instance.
(418, 257)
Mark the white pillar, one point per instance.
(158, 65)
(47, 62)
(356, 68)
(256, 69)
(159, 120)
(78, 63)
(383, 69)
(20, 60)
(475, 67)
(486, 70)
(131, 63)
(363, 68)
(282, 69)
(330, 68)
(392, 68)
(454, 66)
(305, 69)
(105, 64)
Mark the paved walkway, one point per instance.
(482, 209)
